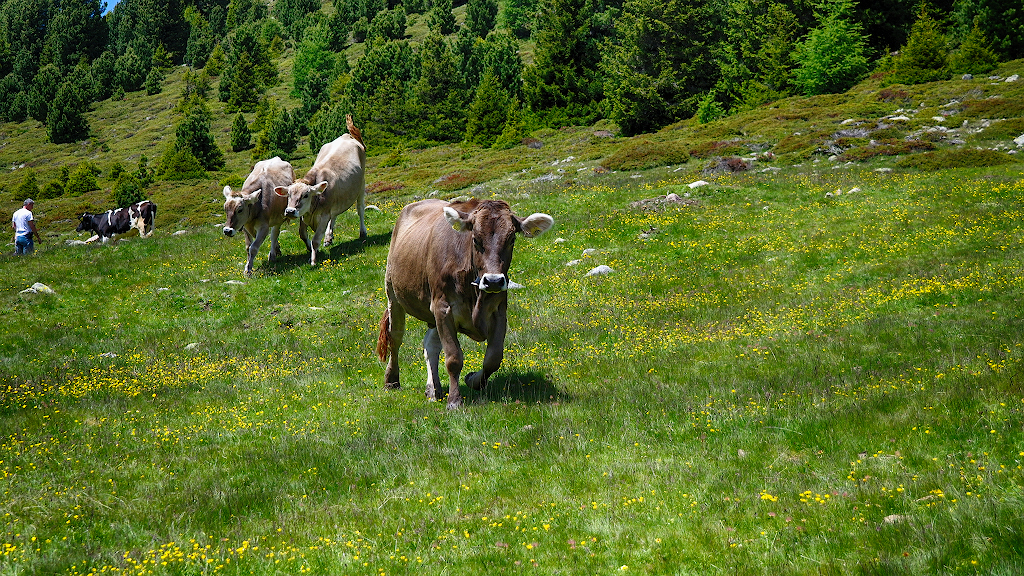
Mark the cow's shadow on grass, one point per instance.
(517, 386)
(336, 251)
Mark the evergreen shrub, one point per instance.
(641, 153)
(958, 158)
(127, 191)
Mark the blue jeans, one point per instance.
(23, 245)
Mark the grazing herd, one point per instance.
(447, 264)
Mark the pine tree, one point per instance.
(127, 191)
(43, 92)
(439, 97)
(563, 85)
(243, 87)
(441, 19)
(832, 57)
(283, 133)
(129, 71)
(481, 16)
(517, 16)
(81, 180)
(241, 137)
(200, 39)
(661, 66)
(103, 69)
(514, 130)
(1001, 21)
(924, 57)
(154, 81)
(487, 113)
(975, 55)
(28, 188)
(193, 134)
(313, 54)
(65, 121)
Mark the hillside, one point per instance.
(869, 126)
(810, 365)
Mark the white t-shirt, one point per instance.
(21, 219)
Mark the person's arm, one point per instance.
(32, 227)
(15, 228)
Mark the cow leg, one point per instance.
(254, 248)
(304, 236)
(432, 355)
(396, 332)
(318, 237)
(275, 247)
(452, 354)
(492, 357)
(329, 236)
(361, 210)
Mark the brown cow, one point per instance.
(331, 186)
(256, 210)
(448, 266)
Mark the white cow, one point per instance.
(332, 185)
(256, 210)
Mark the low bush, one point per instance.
(459, 180)
(639, 154)
(961, 158)
(717, 148)
(885, 148)
(128, 191)
(1005, 130)
(993, 108)
(81, 180)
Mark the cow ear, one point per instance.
(280, 191)
(536, 224)
(319, 188)
(254, 197)
(227, 192)
(459, 221)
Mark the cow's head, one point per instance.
(301, 197)
(238, 209)
(84, 222)
(494, 227)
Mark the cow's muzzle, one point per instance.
(229, 231)
(290, 212)
(492, 283)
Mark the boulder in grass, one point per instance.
(601, 270)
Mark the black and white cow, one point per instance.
(138, 216)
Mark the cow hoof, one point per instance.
(455, 404)
(475, 380)
(392, 385)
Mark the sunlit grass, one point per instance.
(770, 381)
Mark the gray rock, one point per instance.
(698, 184)
(590, 251)
(1019, 140)
(601, 270)
(1013, 78)
(967, 77)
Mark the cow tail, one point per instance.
(384, 340)
(355, 132)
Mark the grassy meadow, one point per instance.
(772, 380)
(811, 366)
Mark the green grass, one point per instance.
(773, 382)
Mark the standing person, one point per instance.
(24, 228)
